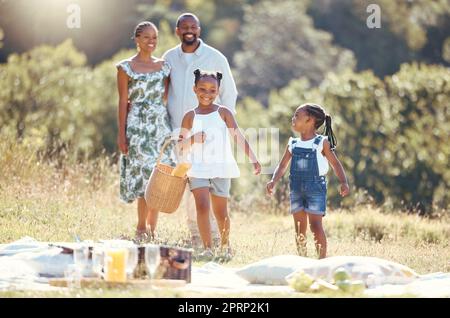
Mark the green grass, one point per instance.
(54, 202)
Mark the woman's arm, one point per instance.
(337, 167)
(280, 170)
(122, 86)
(166, 89)
(236, 133)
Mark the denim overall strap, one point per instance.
(316, 142)
(315, 145)
(291, 169)
(304, 166)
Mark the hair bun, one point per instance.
(197, 72)
(219, 75)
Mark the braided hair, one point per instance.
(320, 117)
(200, 74)
(141, 26)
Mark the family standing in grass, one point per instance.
(201, 93)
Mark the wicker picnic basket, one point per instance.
(164, 191)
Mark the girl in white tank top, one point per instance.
(213, 158)
(205, 140)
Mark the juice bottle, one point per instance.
(115, 265)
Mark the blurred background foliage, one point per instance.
(387, 89)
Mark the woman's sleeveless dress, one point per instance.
(147, 128)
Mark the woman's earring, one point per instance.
(138, 48)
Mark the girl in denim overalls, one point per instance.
(310, 156)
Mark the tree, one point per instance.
(419, 97)
(46, 96)
(410, 30)
(1, 38)
(280, 43)
(106, 25)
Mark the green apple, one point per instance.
(341, 274)
(344, 285)
(301, 281)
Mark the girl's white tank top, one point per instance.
(213, 158)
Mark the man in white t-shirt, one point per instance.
(191, 54)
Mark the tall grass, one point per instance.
(54, 201)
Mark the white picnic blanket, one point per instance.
(27, 264)
(214, 278)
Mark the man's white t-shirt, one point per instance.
(188, 57)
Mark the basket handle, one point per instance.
(166, 143)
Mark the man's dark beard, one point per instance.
(191, 42)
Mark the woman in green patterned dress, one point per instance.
(143, 122)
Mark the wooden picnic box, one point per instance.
(176, 262)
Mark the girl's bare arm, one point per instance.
(280, 170)
(337, 167)
(184, 143)
(236, 133)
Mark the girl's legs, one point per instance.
(202, 204)
(315, 223)
(220, 208)
(142, 216)
(301, 224)
(152, 220)
(147, 218)
(191, 213)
